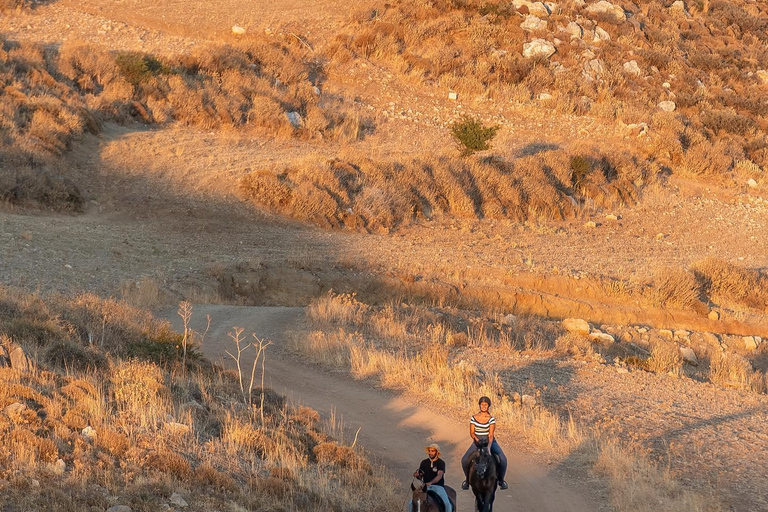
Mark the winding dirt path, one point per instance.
(392, 428)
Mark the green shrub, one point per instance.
(137, 67)
(472, 136)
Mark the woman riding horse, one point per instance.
(482, 427)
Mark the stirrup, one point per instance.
(503, 484)
(464, 485)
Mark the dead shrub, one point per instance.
(675, 288)
(665, 358)
(730, 283)
(732, 370)
(113, 442)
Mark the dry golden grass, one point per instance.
(151, 429)
(432, 368)
(733, 370)
(377, 197)
(665, 358)
(675, 288)
(733, 285)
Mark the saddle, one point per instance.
(439, 500)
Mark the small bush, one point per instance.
(137, 67)
(472, 136)
(665, 358)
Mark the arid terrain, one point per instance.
(300, 179)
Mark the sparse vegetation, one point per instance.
(375, 197)
(472, 136)
(152, 430)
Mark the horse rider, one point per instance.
(481, 428)
(432, 472)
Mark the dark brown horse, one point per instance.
(426, 501)
(482, 478)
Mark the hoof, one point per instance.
(464, 485)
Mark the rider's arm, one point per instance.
(490, 434)
(472, 433)
(437, 478)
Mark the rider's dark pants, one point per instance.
(495, 449)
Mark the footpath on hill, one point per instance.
(392, 429)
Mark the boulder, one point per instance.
(120, 508)
(295, 119)
(88, 433)
(178, 501)
(632, 68)
(666, 333)
(59, 467)
(682, 333)
(238, 30)
(532, 23)
(575, 30)
(538, 49)
(594, 68)
(689, 356)
(19, 360)
(678, 8)
(606, 9)
(602, 337)
(14, 409)
(535, 8)
(667, 106)
(762, 75)
(751, 183)
(750, 343)
(509, 320)
(713, 315)
(601, 35)
(576, 326)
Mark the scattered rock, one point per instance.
(453, 96)
(532, 23)
(602, 337)
(637, 129)
(678, 8)
(19, 360)
(681, 333)
(295, 119)
(576, 326)
(538, 49)
(590, 224)
(120, 508)
(176, 429)
(88, 433)
(177, 501)
(689, 356)
(632, 68)
(535, 8)
(544, 96)
(509, 320)
(763, 76)
(575, 30)
(750, 343)
(605, 8)
(710, 339)
(611, 216)
(15, 409)
(713, 315)
(528, 400)
(666, 333)
(59, 467)
(601, 35)
(238, 30)
(667, 106)
(594, 69)
(751, 183)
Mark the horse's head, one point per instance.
(484, 463)
(419, 498)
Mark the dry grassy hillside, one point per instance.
(109, 415)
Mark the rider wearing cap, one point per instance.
(432, 472)
(481, 428)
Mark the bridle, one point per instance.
(416, 503)
(483, 462)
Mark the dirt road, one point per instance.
(392, 428)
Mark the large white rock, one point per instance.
(576, 325)
(533, 23)
(750, 343)
(632, 68)
(602, 337)
(538, 49)
(19, 360)
(535, 8)
(575, 30)
(601, 35)
(678, 7)
(295, 119)
(667, 106)
(689, 356)
(603, 7)
(238, 30)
